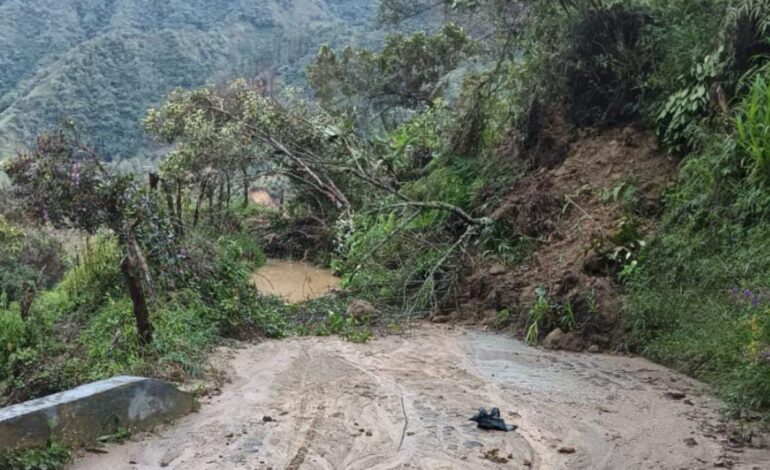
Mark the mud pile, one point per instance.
(569, 207)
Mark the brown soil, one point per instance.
(263, 198)
(404, 402)
(561, 209)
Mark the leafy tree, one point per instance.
(238, 128)
(63, 183)
(404, 75)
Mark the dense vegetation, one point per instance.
(393, 172)
(101, 63)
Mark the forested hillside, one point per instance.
(101, 63)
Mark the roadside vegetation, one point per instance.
(425, 174)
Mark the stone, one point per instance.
(79, 416)
(675, 394)
(440, 319)
(361, 309)
(553, 339)
(571, 342)
(497, 269)
(594, 348)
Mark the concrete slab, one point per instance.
(85, 413)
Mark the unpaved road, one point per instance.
(404, 402)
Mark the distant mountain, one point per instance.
(102, 63)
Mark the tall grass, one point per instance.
(752, 125)
(96, 267)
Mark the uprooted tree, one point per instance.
(336, 173)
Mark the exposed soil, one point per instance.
(404, 402)
(261, 197)
(566, 208)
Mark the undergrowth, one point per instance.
(699, 301)
(84, 329)
(52, 457)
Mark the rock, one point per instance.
(594, 348)
(497, 269)
(81, 415)
(566, 450)
(553, 340)
(440, 319)
(267, 419)
(493, 455)
(691, 442)
(601, 340)
(571, 342)
(724, 462)
(675, 394)
(361, 309)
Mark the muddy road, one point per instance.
(404, 402)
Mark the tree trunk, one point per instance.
(143, 266)
(179, 216)
(154, 180)
(198, 203)
(228, 190)
(221, 197)
(212, 190)
(175, 220)
(25, 305)
(245, 187)
(136, 292)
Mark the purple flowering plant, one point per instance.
(747, 297)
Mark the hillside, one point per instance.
(589, 176)
(102, 63)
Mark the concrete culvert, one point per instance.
(83, 414)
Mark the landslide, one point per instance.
(591, 196)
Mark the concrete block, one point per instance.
(83, 414)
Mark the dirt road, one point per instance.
(404, 402)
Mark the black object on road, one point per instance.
(492, 421)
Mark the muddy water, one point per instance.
(294, 281)
(403, 402)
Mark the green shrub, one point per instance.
(683, 294)
(96, 271)
(242, 247)
(752, 127)
(110, 340)
(12, 337)
(52, 457)
(27, 258)
(538, 316)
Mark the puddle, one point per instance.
(294, 281)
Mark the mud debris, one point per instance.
(391, 386)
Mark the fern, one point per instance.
(757, 11)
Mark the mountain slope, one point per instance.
(103, 62)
